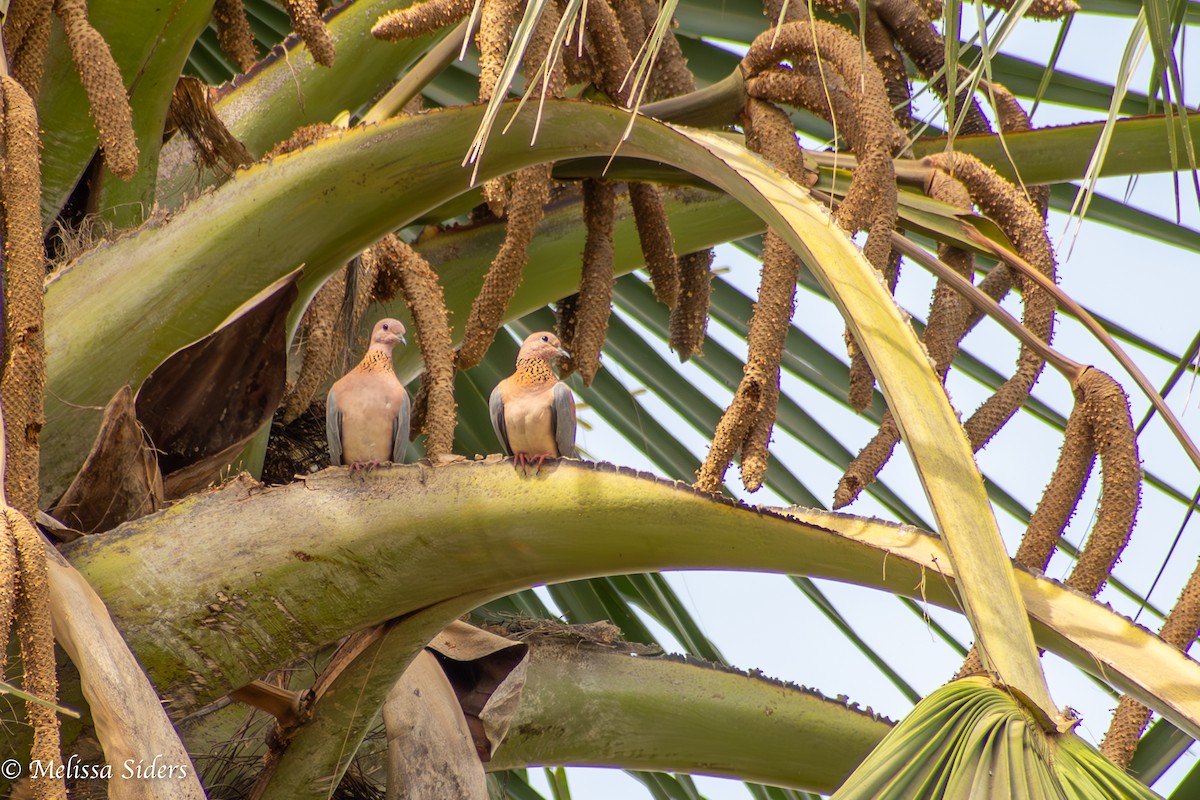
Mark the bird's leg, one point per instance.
(520, 460)
(540, 458)
(363, 467)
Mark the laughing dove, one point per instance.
(533, 413)
(367, 411)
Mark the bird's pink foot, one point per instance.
(363, 466)
(523, 460)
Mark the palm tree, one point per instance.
(221, 260)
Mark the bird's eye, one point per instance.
(545, 338)
(385, 326)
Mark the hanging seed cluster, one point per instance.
(1131, 717)
(825, 73)
(747, 424)
(584, 323)
(1099, 425)
(332, 318)
(689, 318)
(531, 192)
(1106, 409)
(611, 35)
(829, 77)
(947, 323)
(1022, 223)
(319, 335)
(307, 22)
(234, 34)
(26, 39)
(419, 19)
(25, 593)
(105, 88)
(24, 379)
(426, 301)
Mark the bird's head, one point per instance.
(544, 345)
(387, 333)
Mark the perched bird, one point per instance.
(533, 412)
(367, 411)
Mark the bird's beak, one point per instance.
(563, 354)
(403, 341)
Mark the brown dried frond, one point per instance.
(730, 434)
(1062, 494)
(26, 39)
(530, 194)
(596, 280)
(306, 20)
(319, 331)
(426, 301)
(1107, 410)
(37, 648)
(914, 32)
(1023, 225)
(192, 113)
(689, 317)
(101, 78)
(24, 381)
(234, 34)
(658, 246)
(1041, 9)
(420, 19)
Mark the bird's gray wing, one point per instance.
(401, 427)
(563, 408)
(333, 429)
(496, 411)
